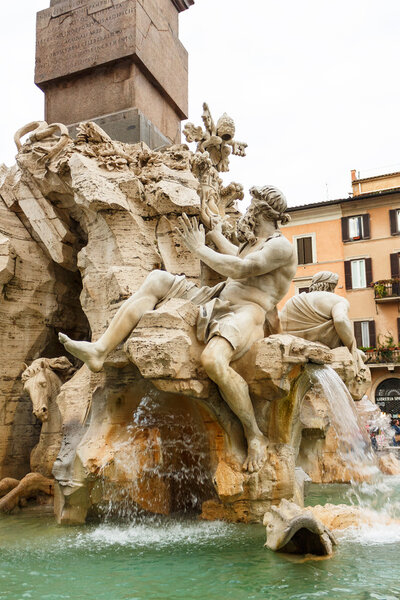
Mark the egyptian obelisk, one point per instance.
(116, 62)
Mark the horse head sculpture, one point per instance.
(42, 380)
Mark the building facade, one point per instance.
(359, 239)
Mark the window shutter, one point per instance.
(347, 275)
(393, 222)
(357, 333)
(366, 227)
(394, 264)
(300, 251)
(372, 334)
(345, 229)
(368, 271)
(308, 257)
(398, 330)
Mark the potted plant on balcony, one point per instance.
(369, 353)
(386, 349)
(384, 288)
(380, 288)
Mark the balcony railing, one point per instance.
(387, 289)
(383, 356)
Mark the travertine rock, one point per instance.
(342, 516)
(38, 297)
(389, 464)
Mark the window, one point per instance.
(364, 332)
(394, 221)
(356, 227)
(395, 265)
(358, 273)
(365, 342)
(305, 246)
(302, 284)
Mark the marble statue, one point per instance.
(218, 140)
(215, 143)
(231, 314)
(42, 381)
(320, 315)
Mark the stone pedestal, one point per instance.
(117, 62)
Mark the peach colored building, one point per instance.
(359, 238)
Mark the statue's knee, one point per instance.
(212, 365)
(158, 282)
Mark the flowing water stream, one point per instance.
(355, 447)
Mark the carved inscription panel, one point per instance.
(74, 35)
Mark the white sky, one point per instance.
(313, 85)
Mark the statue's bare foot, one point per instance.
(85, 351)
(256, 454)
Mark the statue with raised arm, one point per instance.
(231, 314)
(320, 315)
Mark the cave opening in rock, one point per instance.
(162, 458)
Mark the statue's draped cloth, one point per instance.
(216, 317)
(300, 318)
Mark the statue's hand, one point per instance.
(191, 233)
(216, 223)
(215, 228)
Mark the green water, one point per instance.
(192, 560)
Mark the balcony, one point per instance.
(387, 290)
(383, 357)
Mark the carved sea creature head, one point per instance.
(226, 128)
(42, 380)
(324, 281)
(294, 530)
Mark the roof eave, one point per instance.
(375, 194)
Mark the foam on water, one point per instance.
(156, 535)
(376, 534)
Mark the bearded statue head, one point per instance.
(268, 202)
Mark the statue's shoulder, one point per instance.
(280, 241)
(323, 298)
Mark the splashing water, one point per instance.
(376, 494)
(354, 444)
(162, 460)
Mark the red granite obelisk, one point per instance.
(117, 62)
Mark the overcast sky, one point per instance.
(312, 85)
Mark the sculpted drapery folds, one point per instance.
(322, 316)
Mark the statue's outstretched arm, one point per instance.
(223, 245)
(271, 257)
